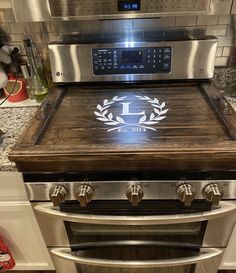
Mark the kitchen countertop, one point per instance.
(13, 121)
(225, 79)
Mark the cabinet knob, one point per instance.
(58, 194)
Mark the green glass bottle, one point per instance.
(37, 81)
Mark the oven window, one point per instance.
(138, 253)
(176, 269)
(180, 233)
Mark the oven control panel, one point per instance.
(107, 61)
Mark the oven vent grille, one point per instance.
(73, 8)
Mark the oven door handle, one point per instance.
(203, 254)
(225, 208)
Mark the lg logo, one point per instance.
(61, 74)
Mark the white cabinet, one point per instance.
(19, 227)
(229, 260)
(20, 231)
(221, 7)
(5, 4)
(12, 187)
(233, 11)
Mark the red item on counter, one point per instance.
(20, 92)
(6, 260)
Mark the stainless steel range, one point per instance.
(133, 224)
(133, 169)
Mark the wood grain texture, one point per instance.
(197, 133)
(28, 271)
(227, 271)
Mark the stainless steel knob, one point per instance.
(186, 193)
(58, 194)
(213, 193)
(135, 194)
(84, 194)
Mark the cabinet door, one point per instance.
(5, 4)
(12, 187)
(221, 7)
(233, 11)
(19, 229)
(229, 259)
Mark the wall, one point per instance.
(224, 27)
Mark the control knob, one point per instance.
(58, 194)
(84, 194)
(213, 193)
(135, 194)
(186, 193)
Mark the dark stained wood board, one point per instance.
(29, 271)
(197, 132)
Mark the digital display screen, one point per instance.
(128, 5)
(132, 57)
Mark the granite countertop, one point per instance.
(13, 121)
(225, 80)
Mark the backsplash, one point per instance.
(223, 26)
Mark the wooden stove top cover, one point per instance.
(153, 127)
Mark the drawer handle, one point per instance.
(225, 208)
(204, 254)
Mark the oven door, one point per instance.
(181, 243)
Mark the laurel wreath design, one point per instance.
(103, 114)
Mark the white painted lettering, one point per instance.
(126, 110)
